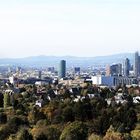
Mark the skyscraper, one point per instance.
(139, 65)
(62, 69)
(136, 64)
(39, 74)
(108, 70)
(116, 70)
(77, 70)
(126, 67)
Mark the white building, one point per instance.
(13, 80)
(103, 80)
(111, 80)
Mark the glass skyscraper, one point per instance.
(62, 69)
(126, 67)
(136, 64)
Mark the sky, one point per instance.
(75, 27)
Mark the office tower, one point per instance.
(116, 70)
(126, 67)
(9, 71)
(18, 69)
(108, 70)
(136, 64)
(39, 74)
(77, 70)
(62, 69)
(139, 65)
(51, 69)
(119, 69)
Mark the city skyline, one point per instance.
(75, 28)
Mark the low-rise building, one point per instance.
(112, 80)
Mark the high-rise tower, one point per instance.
(126, 67)
(116, 70)
(62, 69)
(136, 64)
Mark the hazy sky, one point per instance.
(68, 27)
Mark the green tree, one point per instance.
(6, 100)
(24, 134)
(44, 132)
(1, 100)
(5, 132)
(16, 122)
(111, 135)
(79, 111)
(87, 109)
(41, 137)
(35, 115)
(68, 114)
(136, 132)
(125, 119)
(3, 118)
(94, 137)
(75, 131)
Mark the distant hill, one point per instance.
(46, 61)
